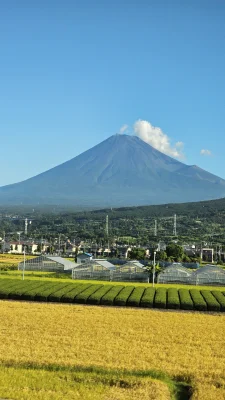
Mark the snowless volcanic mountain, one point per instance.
(121, 171)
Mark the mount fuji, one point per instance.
(122, 170)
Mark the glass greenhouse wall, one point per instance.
(42, 263)
(129, 277)
(132, 271)
(93, 270)
(103, 270)
(208, 275)
(175, 274)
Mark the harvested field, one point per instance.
(53, 351)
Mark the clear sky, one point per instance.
(72, 73)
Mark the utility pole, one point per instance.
(155, 230)
(153, 275)
(107, 226)
(24, 252)
(175, 225)
(59, 245)
(3, 242)
(19, 233)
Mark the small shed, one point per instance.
(94, 269)
(83, 257)
(208, 275)
(174, 273)
(47, 264)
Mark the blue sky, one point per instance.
(72, 73)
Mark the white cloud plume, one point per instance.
(205, 152)
(157, 139)
(124, 128)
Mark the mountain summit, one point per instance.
(122, 170)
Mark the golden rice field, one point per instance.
(12, 259)
(53, 351)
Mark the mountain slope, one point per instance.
(122, 170)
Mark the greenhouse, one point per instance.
(94, 269)
(208, 275)
(175, 273)
(46, 263)
(131, 271)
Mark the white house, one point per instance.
(17, 247)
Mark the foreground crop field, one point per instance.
(54, 351)
(113, 295)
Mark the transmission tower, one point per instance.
(175, 225)
(155, 230)
(26, 224)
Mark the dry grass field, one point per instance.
(50, 351)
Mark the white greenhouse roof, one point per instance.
(177, 267)
(135, 263)
(209, 269)
(66, 263)
(104, 263)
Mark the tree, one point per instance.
(175, 251)
(76, 253)
(161, 255)
(186, 258)
(149, 271)
(137, 254)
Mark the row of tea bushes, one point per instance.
(186, 302)
(198, 300)
(135, 298)
(108, 298)
(147, 299)
(220, 298)
(113, 295)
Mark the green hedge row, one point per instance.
(212, 303)
(108, 298)
(12, 287)
(220, 298)
(69, 297)
(122, 297)
(17, 292)
(186, 302)
(59, 293)
(5, 282)
(147, 299)
(31, 293)
(160, 298)
(135, 297)
(108, 294)
(173, 299)
(82, 297)
(95, 298)
(198, 300)
(44, 293)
